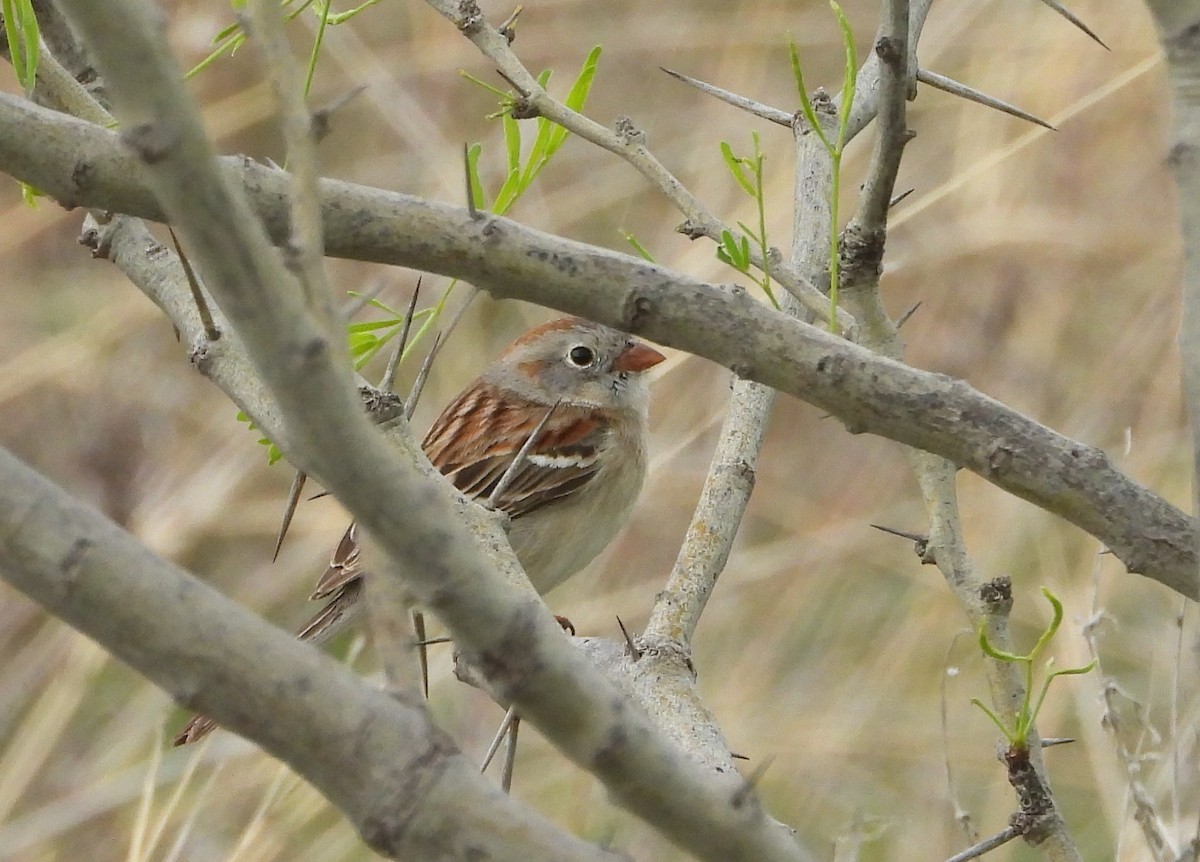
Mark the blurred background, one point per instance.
(1047, 268)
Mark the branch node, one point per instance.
(470, 18)
(630, 134)
(891, 51)
(997, 595)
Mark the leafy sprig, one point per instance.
(735, 250)
(834, 146)
(1018, 734)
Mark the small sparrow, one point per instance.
(573, 488)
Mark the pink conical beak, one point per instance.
(638, 357)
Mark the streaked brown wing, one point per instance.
(343, 566)
(561, 461)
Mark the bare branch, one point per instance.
(715, 522)
(868, 393)
(403, 783)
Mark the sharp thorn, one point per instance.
(411, 404)
(419, 384)
(211, 332)
(949, 85)
(322, 117)
(1057, 740)
(510, 755)
(904, 534)
(906, 315)
(774, 115)
(501, 732)
(418, 621)
(289, 510)
(433, 641)
(1074, 19)
(894, 201)
(630, 646)
(389, 375)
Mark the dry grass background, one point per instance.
(1047, 268)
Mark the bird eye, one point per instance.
(580, 356)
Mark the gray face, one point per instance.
(576, 361)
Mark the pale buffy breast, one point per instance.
(555, 542)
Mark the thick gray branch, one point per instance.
(85, 164)
(399, 779)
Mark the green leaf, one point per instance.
(342, 17)
(512, 188)
(1055, 622)
(495, 91)
(21, 33)
(577, 95)
(806, 103)
(229, 45)
(737, 168)
(550, 136)
(995, 719)
(372, 325)
(477, 193)
(512, 142)
(999, 654)
(361, 342)
(638, 247)
(733, 252)
(30, 194)
(849, 75)
(318, 39)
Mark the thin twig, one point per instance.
(961, 816)
(998, 840)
